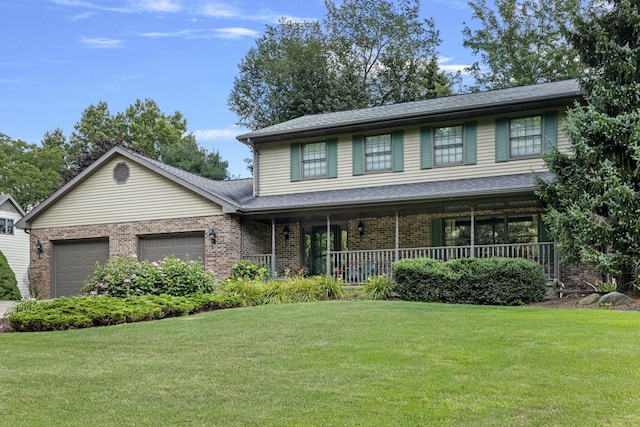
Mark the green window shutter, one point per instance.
(470, 138)
(502, 140)
(397, 151)
(550, 132)
(544, 235)
(295, 162)
(436, 232)
(332, 158)
(426, 147)
(357, 147)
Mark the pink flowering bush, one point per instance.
(125, 277)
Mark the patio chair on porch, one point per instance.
(361, 273)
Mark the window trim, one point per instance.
(510, 138)
(364, 153)
(462, 146)
(302, 161)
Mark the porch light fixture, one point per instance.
(286, 232)
(212, 236)
(39, 248)
(361, 228)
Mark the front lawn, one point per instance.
(359, 363)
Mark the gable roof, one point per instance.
(421, 112)
(223, 193)
(6, 198)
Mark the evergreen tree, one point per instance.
(594, 203)
(8, 284)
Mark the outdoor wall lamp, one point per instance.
(212, 236)
(286, 232)
(39, 248)
(361, 228)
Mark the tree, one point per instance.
(522, 42)
(594, 203)
(28, 171)
(143, 128)
(392, 51)
(364, 53)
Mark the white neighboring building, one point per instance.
(14, 242)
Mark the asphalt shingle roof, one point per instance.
(430, 107)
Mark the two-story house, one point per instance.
(343, 193)
(14, 242)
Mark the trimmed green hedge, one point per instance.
(490, 281)
(86, 312)
(8, 284)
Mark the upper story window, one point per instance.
(447, 145)
(525, 136)
(6, 226)
(377, 153)
(314, 160)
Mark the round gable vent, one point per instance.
(121, 173)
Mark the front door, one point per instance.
(318, 247)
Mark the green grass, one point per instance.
(354, 363)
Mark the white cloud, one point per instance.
(167, 6)
(218, 134)
(219, 10)
(101, 43)
(235, 33)
(452, 68)
(82, 16)
(158, 34)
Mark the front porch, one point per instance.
(352, 247)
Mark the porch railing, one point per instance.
(262, 259)
(357, 266)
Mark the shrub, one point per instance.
(125, 277)
(84, 312)
(492, 281)
(8, 283)
(378, 288)
(249, 270)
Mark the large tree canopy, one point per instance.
(363, 53)
(522, 42)
(594, 203)
(29, 172)
(144, 128)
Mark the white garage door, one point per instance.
(73, 262)
(157, 247)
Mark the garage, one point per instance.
(157, 247)
(73, 262)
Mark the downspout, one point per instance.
(256, 168)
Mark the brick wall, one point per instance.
(123, 242)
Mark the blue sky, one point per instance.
(57, 57)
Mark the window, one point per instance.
(525, 136)
(3, 228)
(377, 153)
(314, 160)
(492, 230)
(447, 145)
(9, 226)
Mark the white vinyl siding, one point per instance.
(145, 196)
(15, 248)
(274, 179)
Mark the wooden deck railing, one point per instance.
(356, 266)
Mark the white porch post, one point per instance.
(397, 254)
(328, 271)
(273, 247)
(473, 233)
